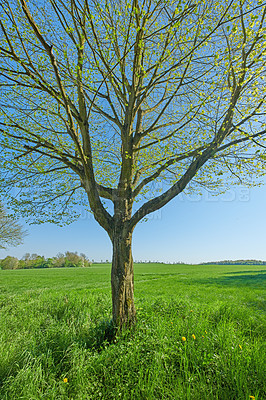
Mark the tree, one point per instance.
(85, 262)
(11, 233)
(107, 103)
(72, 259)
(9, 263)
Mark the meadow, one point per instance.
(200, 334)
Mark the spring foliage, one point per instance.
(98, 93)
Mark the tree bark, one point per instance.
(122, 281)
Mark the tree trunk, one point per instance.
(122, 281)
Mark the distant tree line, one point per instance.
(236, 262)
(30, 261)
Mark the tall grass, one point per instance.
(56, 337)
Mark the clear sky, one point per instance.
(189, 229)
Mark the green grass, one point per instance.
(55, 324)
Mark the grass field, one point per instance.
(54, 330)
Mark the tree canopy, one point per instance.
(187, 79)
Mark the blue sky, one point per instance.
(189, 229)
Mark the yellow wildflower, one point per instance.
(65, 380)
(194, 337)
(183, 339)
(252, 397)
(240, 346)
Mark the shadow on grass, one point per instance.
(263, 271)
(102, 334)
(250, 280)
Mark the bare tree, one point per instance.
(101, 99)
(11, 232)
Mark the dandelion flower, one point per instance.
(183, 339)
(65, 380)
(206, 332)
(194, 337)
(252, 397)
(240, 346)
